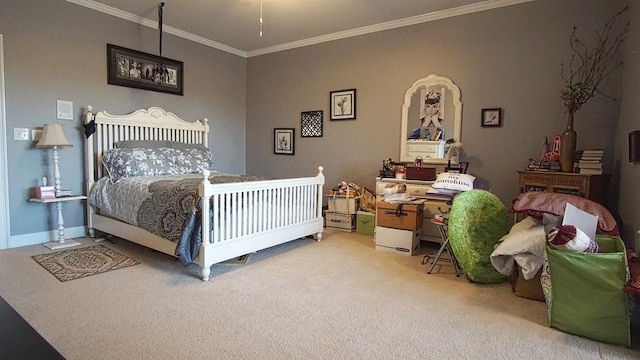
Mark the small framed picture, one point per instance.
(343, 104)
(283, 141)
(491, 117)
(311, 123)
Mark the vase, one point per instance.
(568, 146)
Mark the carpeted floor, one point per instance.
(79, 263)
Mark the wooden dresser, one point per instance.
(592, 187)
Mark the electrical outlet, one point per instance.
(20, 134)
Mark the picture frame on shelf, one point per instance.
(491, 117)
(311, 123)
(136, 69)
(284, 141)
(343, 104)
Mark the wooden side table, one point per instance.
(592, 187)
(62, 242)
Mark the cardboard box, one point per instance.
(408, 217)
(365, 223)
(420, 173)
(343, 204)
(342, 221)
(405, 242)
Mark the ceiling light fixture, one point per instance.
(261, 22)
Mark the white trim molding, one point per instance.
(4, 179)
(46, 236)
(413, 20)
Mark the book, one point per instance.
(591, 171)
(590, 166)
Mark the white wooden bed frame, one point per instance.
(247, 216)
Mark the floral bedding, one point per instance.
(159, 204)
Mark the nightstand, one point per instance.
(62, 242)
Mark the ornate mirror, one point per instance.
(431, 120)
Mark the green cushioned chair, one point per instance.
(477, 221)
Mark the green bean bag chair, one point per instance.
(477, 221)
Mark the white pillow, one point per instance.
(454, 181)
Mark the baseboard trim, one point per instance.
(45, 236)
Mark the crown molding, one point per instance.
(109, 10)
(414, 20)
(437, 15)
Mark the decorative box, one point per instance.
(342, 221)
(343, 204)
(365, 223)
(420, 173)
(399, 216)
(45, 192)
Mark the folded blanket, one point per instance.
(523, 245)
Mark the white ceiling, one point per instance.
(234, 25)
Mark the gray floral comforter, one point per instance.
(158, 204)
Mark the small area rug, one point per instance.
(82, 262)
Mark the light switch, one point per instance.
(20, 134)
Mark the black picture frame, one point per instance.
(491, 117)
(284, 141)
(311, 123)
(136, 69)
(342, 104)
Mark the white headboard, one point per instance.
(153, 123)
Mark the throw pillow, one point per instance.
(454, 181)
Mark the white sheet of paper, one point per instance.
(580, 219)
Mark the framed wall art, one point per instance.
(491, 117)
(311, 123)
(343, 104)
(283, 141)
(135, 69)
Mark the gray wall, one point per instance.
(57, 50)
(508, 57)
(626, 173)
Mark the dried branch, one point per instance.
(589, 66)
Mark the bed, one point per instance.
(246, 214)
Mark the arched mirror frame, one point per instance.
(426, 82)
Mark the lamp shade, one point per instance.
(53, 135)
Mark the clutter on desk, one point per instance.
(550, 158)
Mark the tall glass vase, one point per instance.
(568, 146)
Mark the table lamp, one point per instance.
(53, 137)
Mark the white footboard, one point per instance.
(251, 216)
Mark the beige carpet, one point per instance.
(79, 263)
(334, 299)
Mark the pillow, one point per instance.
(148, 144)
(537, 203)
(156, 144)
(184, 146)
(570, 238)
(127, 162)
(454, 181)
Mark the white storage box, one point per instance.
(343, 204)
(405, 242)
(342, 221)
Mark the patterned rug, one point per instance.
(82, 262)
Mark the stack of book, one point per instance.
(536, 164)
(590, 161)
